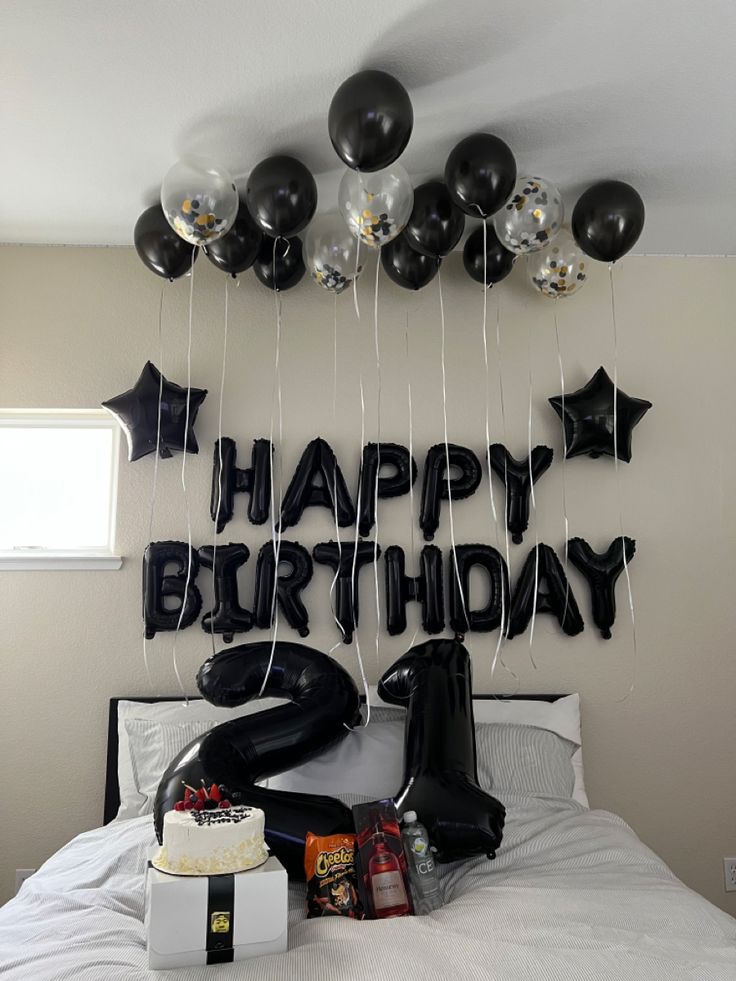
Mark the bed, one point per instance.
(572, 894)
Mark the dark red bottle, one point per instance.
(386, 880)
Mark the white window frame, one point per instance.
(60, 559)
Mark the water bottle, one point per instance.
(425, 886)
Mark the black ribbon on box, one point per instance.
(220, 918)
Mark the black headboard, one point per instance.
(112, 789)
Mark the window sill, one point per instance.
(60, 561)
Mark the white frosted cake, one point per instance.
(212, 842)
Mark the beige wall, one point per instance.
(78, 325)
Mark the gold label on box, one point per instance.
(220, 923)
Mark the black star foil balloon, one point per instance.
(137, 412)
(588, 418)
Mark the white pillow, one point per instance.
(133, 800)
(367, 762)
(153, 745)
(370, 760)
(561, 717)
(520, 759)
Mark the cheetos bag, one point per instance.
(329, 863)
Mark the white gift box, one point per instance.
(198, 920)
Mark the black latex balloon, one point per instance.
(159, 247)
(288, 263)
(137, 411)
(517, 476)
(601, 570)
(395, 484)
(496, 609)
(236, 251)
(499, 261)
(407, 267)
(433, 681)
(426, 588)
(436, 223)
(323, 703)
(317, 481)
(553, 592)
(480, 174)
(588, 418)
(229, 480)
(227, 617)
(346, 561)
(289, 585)
(161, 586)
(370, 120)
(281, 195)
(608, 220)
(434, 485)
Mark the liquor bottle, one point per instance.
(386, 880)
(425, 886)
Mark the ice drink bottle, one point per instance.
(387, 881)
(423, 878)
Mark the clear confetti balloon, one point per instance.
(200, 200)
(531, 217)
(559, 269)
(376, 206)
(331, 253)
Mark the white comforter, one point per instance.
(573, 895)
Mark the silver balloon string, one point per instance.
(356, 635)
(447, 451)
(484, 334)
(355, 281)
(378, 465)
(276, 531)
(183, 478)
(484, 331)
(333, 584)
(533, 498)
(219, 455)
(152, 504)
(503, 636)
(618, 486)
(411, 455)
(564, 463)
(502, 402)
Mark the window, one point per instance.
(58, 483)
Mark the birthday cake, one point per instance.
(206, 835)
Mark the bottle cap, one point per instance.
(409, 817)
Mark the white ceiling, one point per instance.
(99, 98)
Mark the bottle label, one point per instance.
(388, 890)
(421, 856)
(424, 866)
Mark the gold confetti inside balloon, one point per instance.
(531, 217)
(200, 200)
(560, 269)
(331, 253)
(376, 206)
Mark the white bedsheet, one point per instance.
(572, 896)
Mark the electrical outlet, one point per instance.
(22, 874)
(729, 874)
